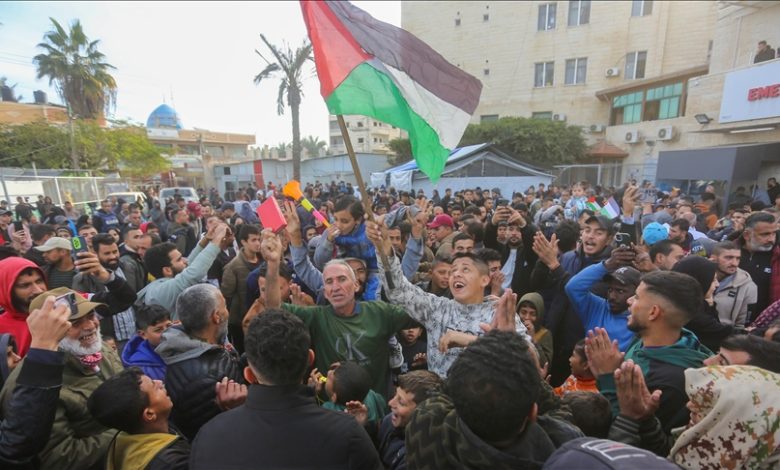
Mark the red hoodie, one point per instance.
(12, 321)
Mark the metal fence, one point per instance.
(79, 190)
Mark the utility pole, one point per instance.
(74, 159)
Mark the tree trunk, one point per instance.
(295, 102)
(74, 158)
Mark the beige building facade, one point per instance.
(366, 134)
(633, 74)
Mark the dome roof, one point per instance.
(164, 117)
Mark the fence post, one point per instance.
(57, 187)
(97, 191)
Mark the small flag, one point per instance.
(375, 69)
(593, 205)
(611, 208)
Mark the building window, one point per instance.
(546, 20)
(663, 102)
(375, 123)
(641, 7)
(486, 17)
(225, 170)
(542, 115)
(457, 21)
(360, 124)
(360, 140)
(635, 64)
(336, 141)
(579, 12)
(627, 109)
(576, 71)
(486, 72)
(488, 118)
(543, 74)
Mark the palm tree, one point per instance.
(79, 72)
(313, 145)
(281, 150)
(290, 63)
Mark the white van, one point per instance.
(188, 193)
(130, 196)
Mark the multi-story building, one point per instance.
(595, 64)
(366, 134)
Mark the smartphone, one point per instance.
(622, 239)
(648, 195)
(18, 225)
(69, 300)
(502, 202)
(79, 245)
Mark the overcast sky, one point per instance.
(197, 56)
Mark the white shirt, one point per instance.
(509, 269)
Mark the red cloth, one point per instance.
(774, 282)
(13, 321)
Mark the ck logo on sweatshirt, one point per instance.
(347, 347)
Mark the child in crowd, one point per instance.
(576, 204)
(590, 412)
(415, 348)
(150, 323)
(531, 311)
(348, 383)
(581, 378)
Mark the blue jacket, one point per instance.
(138, 353)
(594, 310)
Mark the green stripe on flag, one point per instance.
(368, 92)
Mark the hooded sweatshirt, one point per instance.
(13, 321)
(139, 451)
(138, 353)
(733, 296)
(542, 337)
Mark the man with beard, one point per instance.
(122, 325)
(610, 313)
(517, 255)
(664, 302)
(736, 292)
(761, 259)
(21, 281)
(173, 272)
(198, 356)
(76, 441)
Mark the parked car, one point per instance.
(188, 193)
(129, 196)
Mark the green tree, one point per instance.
(290, 66)
(313, 145)
(79, 72)
(402, 151)
(34, 142)
(281, 150)
(4, 82)
(536, 141)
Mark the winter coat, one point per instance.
(76, 441)
(27, 423)
(139, 353)
(134, 269)
(525, 259)
(13, 321)
(732, 301)
(193, 369)
(234, 288)
(153, 451)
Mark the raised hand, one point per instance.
(88, 263)
(230, 394)
(620, 256)
(630, 198)
(635, 400)
(271, 246)
(604, 356)
(298, 297)
(375, 233)
(293, 222)
(48, 324)
(455, 339)
(505, 318)
(332, 232)
(358, 410)
(547, 250)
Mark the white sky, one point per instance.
(200, 52)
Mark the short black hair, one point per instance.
(277, 347)
(460, 236)
(579, 350)
(481, 265)
(475, 230)
(590, 412)
(39, 231)
(158, 257)
(351, 204)
(568, 233)
(663, 247)
(681, 290)
(102, 239)
(494, 384)
(707, 197)
(351, 382)
(473, 210)
(119, 403)
(441, 258)
(489, 254)
(147, 315)
(127, 229)
(244, 230)
(682, 224)
(750, 222)
(763, 353)
(284, 270)
(420, 384)
(720, 247)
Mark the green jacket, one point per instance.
(77, 441)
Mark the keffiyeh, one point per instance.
(740, 419)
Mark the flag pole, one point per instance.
(363, 192)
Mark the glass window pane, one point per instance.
(549, 73)
(650, 94)
(538, 71)
(648, 7)
(636, 8)
(629, 65)
(551, 15)
(674, 107)
(663, 112)
(668, 90)
(641, 60)
(637, 113)
(569, 72)
(678, 88)
(582, 70)
(585, 12)
(618, 101)
(574, 9)
(542, 20)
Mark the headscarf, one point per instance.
(740, 424)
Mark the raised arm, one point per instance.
(304, 268)
(271, 249)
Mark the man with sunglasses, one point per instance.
(76, 439)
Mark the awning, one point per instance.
(603, 149)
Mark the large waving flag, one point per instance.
(375, 69)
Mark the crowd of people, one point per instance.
(558, 327)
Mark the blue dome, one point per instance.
(164, 117)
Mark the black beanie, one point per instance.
(701, 269)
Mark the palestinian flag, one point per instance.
(374, 69)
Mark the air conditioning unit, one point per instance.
(612, 72)
(597, 128)
(631, 137)
(666, 133)
(559, 117)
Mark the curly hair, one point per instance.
(277, 347)
(494, 384)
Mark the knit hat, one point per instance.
(598, 454)
(701, 269)
(654, 233)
